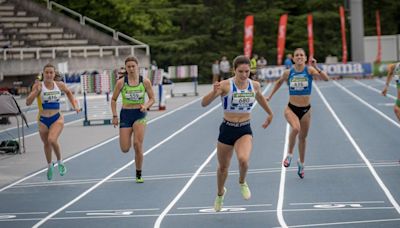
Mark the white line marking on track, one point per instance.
(363, 202)
(204, 174)
(32, 122)
(198, 213)
(349, 202)
(383, 82)
(359, 151)
(42, 221)
(114, 210)
(373, 89)
(247, 205)
(279, 212)
(96, 146)
(351, 222)
(184, 189)
(367, 104)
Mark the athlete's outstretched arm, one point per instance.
(117, 90)
(318, 72)
(216, 91)
(150, 94)
(278, 84)
(36, 89)
(63, 87)
(264, 104)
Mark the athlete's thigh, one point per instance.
(305, 123)
(224, 153)
(57, 127)
(243, 147)
(125, 137)
(43, 132)
(139, 131)
(291, 118)
(397, 111)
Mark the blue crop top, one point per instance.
(300, 83)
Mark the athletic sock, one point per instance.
(138, 173)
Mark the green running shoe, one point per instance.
(244, 189)
(139, 180)
(50, 170)
(219, 201)
(62, 169)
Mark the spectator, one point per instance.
(225, 68)
(288, 61)
(215, 71)
(261, 63)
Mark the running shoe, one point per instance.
(300, 170)
(139, 180)
(219, 201)
(245, 190)
(287, 161)
(62, 169)
(50, 170)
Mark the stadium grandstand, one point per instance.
(33, 34)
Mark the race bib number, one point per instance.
(298, 83)
(134, 95)
(51, 96)
(243, 99)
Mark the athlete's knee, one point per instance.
(302, 137)
(52, 141)
(137, 145)
(296, 130)
(223, 168)
(125, 149)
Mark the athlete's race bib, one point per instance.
(51, 96)
(243, 99)
(134, 95)
(298, 83)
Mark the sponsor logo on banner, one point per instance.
(339, 69)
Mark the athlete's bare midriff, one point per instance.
(300, 101)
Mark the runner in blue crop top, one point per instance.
(51, 122)
(297, 113)
(238, 95)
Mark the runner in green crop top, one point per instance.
(394, 71)
(132, 120)
(133, 94)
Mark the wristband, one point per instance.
(115, 116)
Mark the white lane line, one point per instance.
(24, 213)
(66, 124)
(42, 221)
(279, 212)
(196, 174)
(122, 216)
(373, 89)
(33, 122)
(205, 174)
(364, 158)
(114, 210)
(384, 82)
(184, 189)
(351, 222)
(231, 206)
(367, 104)
(350, 202)
(96, 146)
